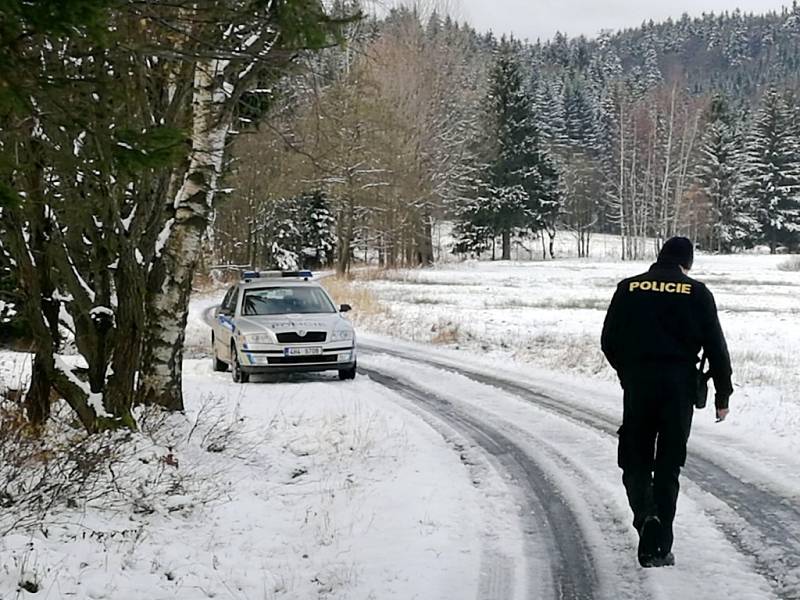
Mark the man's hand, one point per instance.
(722, 413)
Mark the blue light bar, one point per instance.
(303, 274)
(250, 275)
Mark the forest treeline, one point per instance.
(682, 127)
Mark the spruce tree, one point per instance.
(549, 106)
(523, 179)
(297, 232)
(580, 117)
(733, 221)
(772, 175)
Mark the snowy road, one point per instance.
(547, 518)
(758, 522)
(737, 530)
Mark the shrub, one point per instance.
(790, 264)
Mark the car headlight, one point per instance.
(342, 335)
(261, 338)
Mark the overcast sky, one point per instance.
(542, 18)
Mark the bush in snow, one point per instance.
(161, 469)
(791, 264)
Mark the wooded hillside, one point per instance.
(687, 126)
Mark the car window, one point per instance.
(286, 300)
(224, 305)
(232, 301)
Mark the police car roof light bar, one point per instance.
(250, 275)
(297, 274)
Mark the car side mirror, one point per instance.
(345, 308)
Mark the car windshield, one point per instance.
(286, 300)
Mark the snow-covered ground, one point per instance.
(442, 472)
(302, 489)
(550, 314)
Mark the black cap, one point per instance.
(677, 251)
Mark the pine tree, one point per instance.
(523, 177)
(733, 222)
(473, 231)
(737, 49)
(651, 70)
(579, 116)
(317, 234)
(299, 232)
(549, 106)
(773, 173)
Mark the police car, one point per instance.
(281, 322)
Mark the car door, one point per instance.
(225, 324)
(217, 328)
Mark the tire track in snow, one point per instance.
(772, 523)
(572, 571)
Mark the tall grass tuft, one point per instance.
(363, 300)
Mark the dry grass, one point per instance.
(363, 300)
(581, 303)
(372, 274)
(446, 332)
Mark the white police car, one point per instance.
(281, 322)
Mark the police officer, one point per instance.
(656, 325)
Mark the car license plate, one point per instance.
(316, 351)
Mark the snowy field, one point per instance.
(475, 459)
(550, 315)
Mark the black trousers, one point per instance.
(657, 419)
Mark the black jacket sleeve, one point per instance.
(716, 349)
(610, 340)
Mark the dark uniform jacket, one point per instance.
(665, 317)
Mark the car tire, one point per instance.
(348, 374)
(239, 376)
(220, 366)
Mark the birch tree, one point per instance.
(104, 198)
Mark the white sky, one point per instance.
(542, 18)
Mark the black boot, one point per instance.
(666, 560)
(651, 551)
(649, 542)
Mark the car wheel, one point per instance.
(239, 376)
(220, 366)
(347, 374)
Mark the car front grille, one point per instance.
(303, 360)
(292, 337)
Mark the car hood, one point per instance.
(281, 323)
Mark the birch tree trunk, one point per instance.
(170, 280)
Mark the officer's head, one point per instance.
(677, 251)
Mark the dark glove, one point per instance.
(721, 400)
